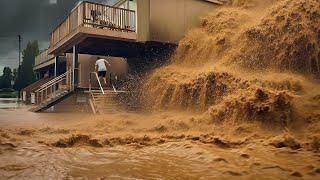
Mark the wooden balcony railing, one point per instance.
(94, 15)
(44, 56)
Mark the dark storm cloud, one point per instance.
(33, 19)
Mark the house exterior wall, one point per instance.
(143, 20)
(169, 20)
(118, 67)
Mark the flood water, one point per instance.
(116, 163)
(175, 160)
(28, 150)
(9, 103)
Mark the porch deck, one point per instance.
(93, 20)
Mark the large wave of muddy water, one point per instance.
(239, 99)
(252, 60)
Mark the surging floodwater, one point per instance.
(160, 162)
(252, 60)
(120, 147)
(240, 99)
(162, 146)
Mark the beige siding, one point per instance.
(171, 19)
(87, 65)
(143, 20)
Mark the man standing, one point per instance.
(101, 68)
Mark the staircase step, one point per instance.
(105, 106)
(104, 103)
(103, 100)
(103, 95)
(50, 101)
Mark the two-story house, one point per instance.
(134, 32)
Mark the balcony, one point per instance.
(43, 59)
(93, 20)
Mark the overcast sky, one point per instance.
(33, 20)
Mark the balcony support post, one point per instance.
(75, 65)
(56, 74)
(55, 66)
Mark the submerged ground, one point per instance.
(151, 146)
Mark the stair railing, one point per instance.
(90, 81)
(48, 89)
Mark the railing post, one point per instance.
(84, 13)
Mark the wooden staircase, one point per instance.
(53, 100)
(103, 103)
(53, 92)
(102, 100)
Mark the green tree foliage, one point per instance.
(15, 77)
(5, 80)
(26, 75)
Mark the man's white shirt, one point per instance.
(101, 63)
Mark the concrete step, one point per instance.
(101, 106)
(104, 103)
(102, 95)
(103, 99)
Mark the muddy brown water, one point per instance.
(184, 160)
(9, 103)
(26, 151)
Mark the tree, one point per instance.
(6, 78)
(26, 75)
(15, 78)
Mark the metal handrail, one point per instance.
(97, 77)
